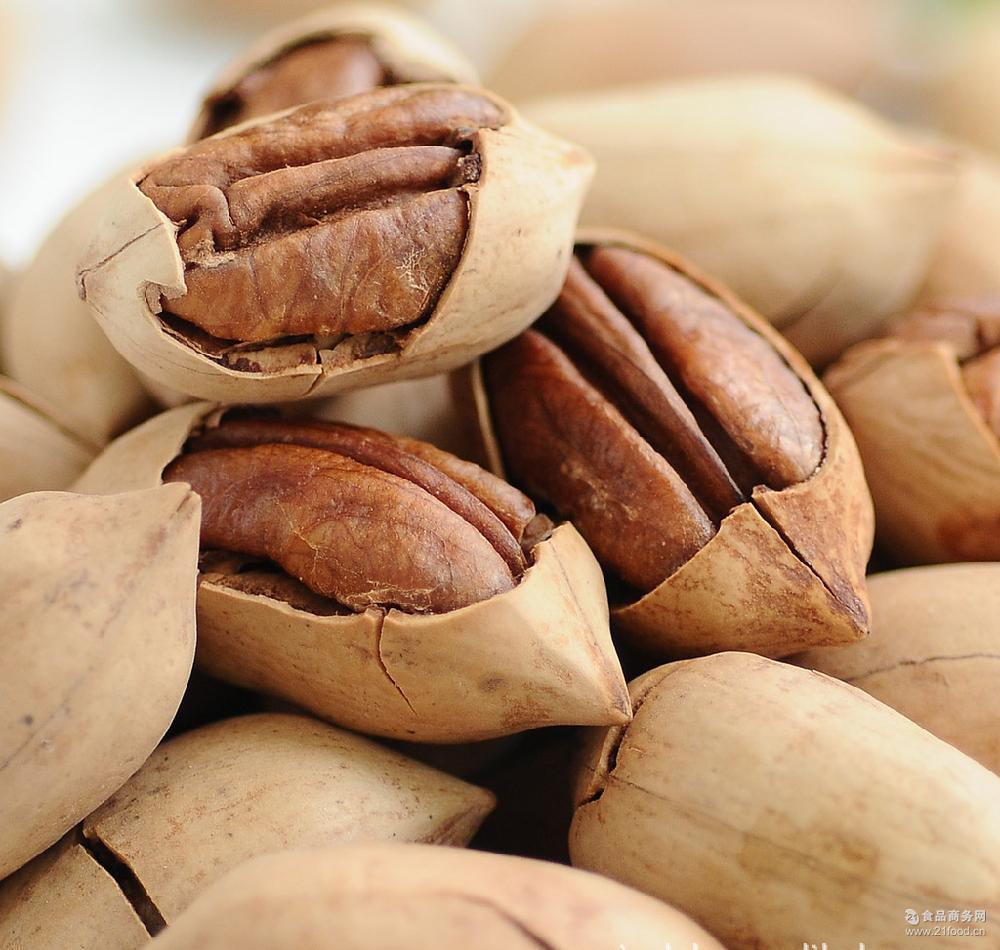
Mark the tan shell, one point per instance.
(755, 587)
(97, 634)
(522, 215)
(51, 344)
(818, 214)
(36, 453)
(211, 798)
(775, 805)
(934, 655)
(538, 655)
(572, 46)
(965, 263)
(402, 42)
(932, 463)
(409, 895)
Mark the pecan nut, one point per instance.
(396, 233)
(647, 408)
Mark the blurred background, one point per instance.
(88, 86)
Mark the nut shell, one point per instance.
(98, 620)
(822, 217)
(783, 571)
(843, 814)
(933, 464)
(522, 214)
(422, 897)
(934, 655)
(540, 654)
(401, 42)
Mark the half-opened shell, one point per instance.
(522, 212)
(97, 628)
(404, 46)
(932, 462)
(817, 213)
(784, 570)
(211, 798)
(36, 453)
(934, 654)
(538, 655)
(415, 896)
(773, 804)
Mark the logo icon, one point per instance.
(912, 917)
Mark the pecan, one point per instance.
(358, 516)
(972, 328)
(337, 219)
(645, 409)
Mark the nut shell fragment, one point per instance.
(98, 621)
(842, 810)
(539, 654)
(421, 897)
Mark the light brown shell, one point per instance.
(211, 798)
(965, 263)
(51, 344)
(36, 453)
(818, 214)
(784, 571)
(522, 214)
(934, 655)
(402, 42)
(775, 805)
(933, 465)
(410, 895)
(538, 655)
(97, 634)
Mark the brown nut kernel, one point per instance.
(333, 53)
(924, 406)
(394, 233)
(655, 412)
(456, 614)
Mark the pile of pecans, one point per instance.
(641, 517)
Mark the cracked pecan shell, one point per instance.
(695, 451)
(332, 53)
(924, 406)
(394, 233)
(378, 581)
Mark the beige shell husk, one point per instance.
(214, 797)
(934, 654)
(784, 571)
(818, 214)
(97, 629)
(776, 806)
(572, 47)
(933, 464)
(411, 895)
(51, 344)
(522, 214)
(538, 655)
(66, 899)
(401, 42)
(36, 453)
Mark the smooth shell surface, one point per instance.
(822, 217)
(784, 571)
(98, 620)
(934, 654)
(540, 654)
(523, 211)
(778, 806)
(933, 465)
(421, 897)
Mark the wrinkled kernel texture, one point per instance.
(354, 515)
(644, 408)
(336, 219)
